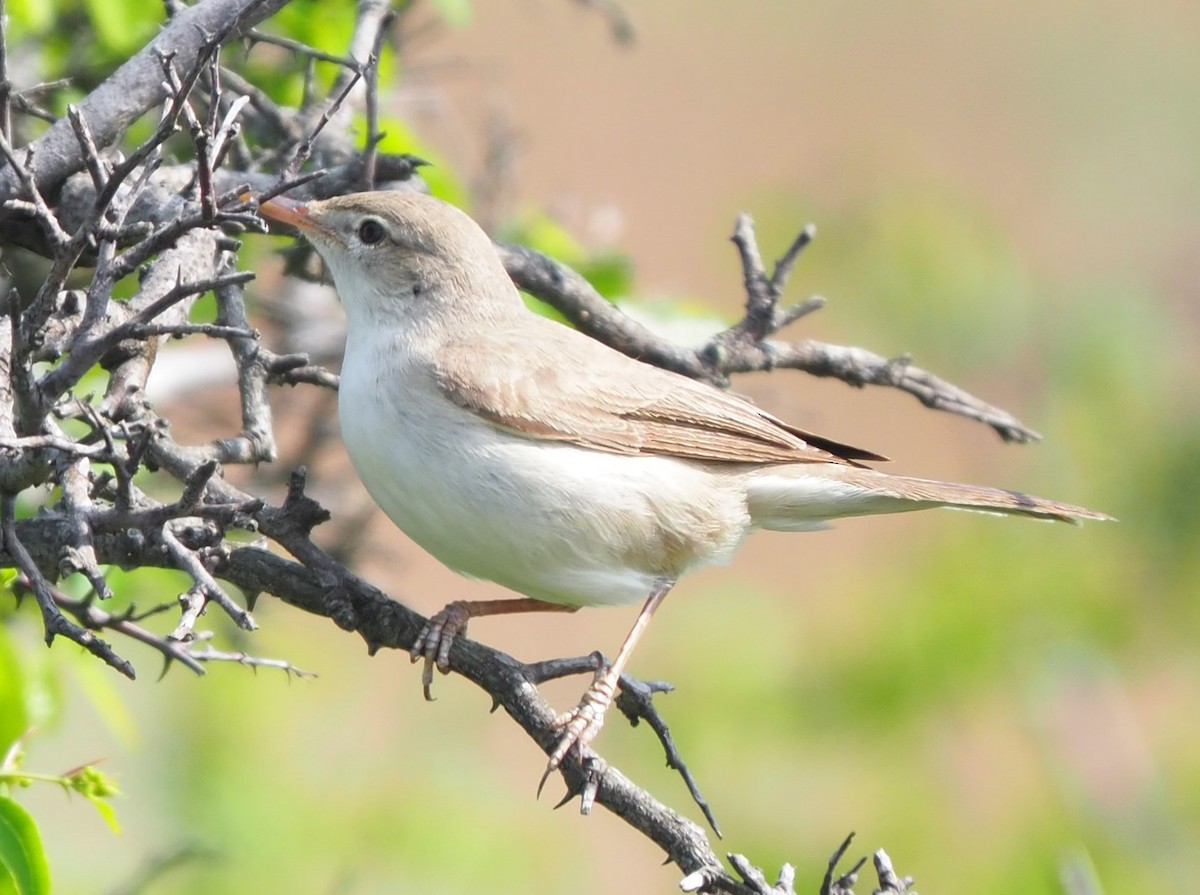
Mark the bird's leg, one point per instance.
(434, 641)
(580, 725)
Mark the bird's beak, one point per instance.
(289, 211)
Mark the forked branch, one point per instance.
(748, 346)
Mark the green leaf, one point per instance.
(325, 26)
(34, 15)
(122, 26)
(14, 720)
(106, 812)
(23, 868)
(442, 182)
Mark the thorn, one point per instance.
(564, 800)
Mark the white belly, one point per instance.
(551, 521)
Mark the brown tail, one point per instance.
(991, 500)
(798, 498)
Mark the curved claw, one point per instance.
(434, 642)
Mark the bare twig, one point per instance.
(91, 155)
(371, 19)
(77, 501)
(208, 654)
(136, 87)
(889, 882)
(590, 312)
(636, 702)
(370, 29)
(262, 37)
(212, 330)
(257, 430)
(836, 883)
(304, 150)
(95, 619)
(294, 369)
(206, 589)
(57, 442)
(373, 136)
(6, 89)
(22, 169)
(284, 123)
(86, 353)
(52, 619)
(192, 603)
(858, 367)
(745, 347)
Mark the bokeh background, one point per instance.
(1008, 192)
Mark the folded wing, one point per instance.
(551, 383)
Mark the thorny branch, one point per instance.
(747, 346)
(70, 197)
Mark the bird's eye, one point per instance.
(371, 231)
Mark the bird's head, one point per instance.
(402, 256)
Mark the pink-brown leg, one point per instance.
(580, 725)
(434, 642)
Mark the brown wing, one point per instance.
(547, 381)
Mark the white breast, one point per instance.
(551, 521)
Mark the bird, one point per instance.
(518, 450)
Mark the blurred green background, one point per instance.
(1010, 193)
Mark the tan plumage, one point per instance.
(546, 392)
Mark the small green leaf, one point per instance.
(23, 868)
(107, 812)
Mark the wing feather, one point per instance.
(555, 384)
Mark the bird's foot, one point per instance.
(581, 725)
(436, 637)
